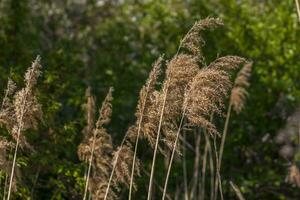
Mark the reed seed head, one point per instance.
(239, 93)
(193, 40)
(205, 96)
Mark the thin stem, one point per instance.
(5, 186)
(237, 191)
(173, 153)
(218, 176)
(89, 168)
(217, 164)
(136, 145)
(218, 181)
(156, 144)
(184, 171)
(113, 169)
(13, 166)
(211, 167)
(224, 135)
(203, 171)
(298, 9)
(196, 165)
(156, 183)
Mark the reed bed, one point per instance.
(182, 97)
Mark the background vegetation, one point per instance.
(102, 43)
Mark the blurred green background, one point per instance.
(102, 43)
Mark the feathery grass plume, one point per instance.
(123, 157)
(146, 113)
(239, 93)
(205, 96)
(227, 63)
(89, 108)
(25, 109)
(193, 41)
(294, 175)
(97, 151)
(180, 71)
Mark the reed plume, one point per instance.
(180, 71)
(193, 41)
(205, 96)
(239, 92)
(146, 112)
(97, 151)
(21, 112)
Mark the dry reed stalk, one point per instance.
(196, 165)
(298, 9)
(149, 88)
(217, 186)
(237, 191)
(203, 171)
(211, 167)
(110, 180)
(156, 143)
(186, 196)
(22, 114)
(172, 155)
(156, 183)
(236, 102)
